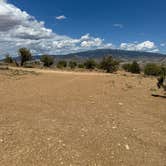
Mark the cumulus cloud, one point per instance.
(94, 42)
(19, 29)
(144, 46)
(62, 17)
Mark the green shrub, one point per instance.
(135, 68)
(25, 55)
(163, 71)
(90, 64)
(72, 64)
(47, 60)
(62, 64)
(109, 64)
(126, 67)
(153, 69)
(81, 65)
(8, 59)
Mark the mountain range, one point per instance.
(122, 55)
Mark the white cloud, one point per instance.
(144, 46)
(93, 42)
(62, 17)
(85, 37)
(118, 25)
(19, 29)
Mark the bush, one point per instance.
(109, 64)
(126, 67)
(8, 59)
(81, 66)
(152, 69)
(72, 64)
(47, 60)
(163, 71)
(135, 68)
(25, 55)
(62, 64)
(90, 64)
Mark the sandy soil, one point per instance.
(80, 119)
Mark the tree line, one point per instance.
(108, 64)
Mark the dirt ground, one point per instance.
(80, 119)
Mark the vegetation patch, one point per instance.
(152, 69)
(132, 68)
(47, 60)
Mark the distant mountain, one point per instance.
(118, 54)
(123, 55)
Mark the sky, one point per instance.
(65, 26)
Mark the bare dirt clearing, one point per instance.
(80, 119)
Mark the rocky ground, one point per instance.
(80, 119)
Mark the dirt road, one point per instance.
(75, 119)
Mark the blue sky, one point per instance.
(126, 24)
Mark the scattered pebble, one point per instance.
(114, 127)
(127, 147)
(48, 139)
(120, 104)
(60, 141)
(84, 130)
(112, 157)
(92, 102)
(134, 129)
(1, 140)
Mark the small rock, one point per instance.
(84, 130)
(48, 139)
(134, 129)
(60, 141)
(120, 104)
(1, 140)
(127, 147)
(114, 127)
(92, 102)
